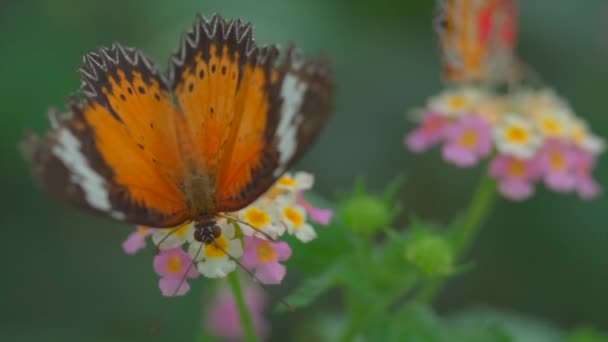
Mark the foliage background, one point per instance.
(64, 276)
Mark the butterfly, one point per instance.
(477, 39)
(207, 137)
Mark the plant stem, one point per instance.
(237, 291)
(465, 232)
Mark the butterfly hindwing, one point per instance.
(115, 152)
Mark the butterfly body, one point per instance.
(209, 137)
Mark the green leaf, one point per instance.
(412, 322)
(312, 288)
(315, 257)
(418, 322)
(520, 328)
(587, 334)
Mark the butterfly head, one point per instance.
(206, 231)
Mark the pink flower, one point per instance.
(467, 141)
(556, 161)
(586, 186)
(264, 256)
(516, 177)
(318, 215)
(429, 133)
(172, 265)
(136, 240)
(222, 318)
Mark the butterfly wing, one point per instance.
(116, 152)
(478, 39)
(249, 117)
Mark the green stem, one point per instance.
(465, 232)
(358, 323)
(237, 291)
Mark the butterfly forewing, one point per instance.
(250, 117)
(116, 151)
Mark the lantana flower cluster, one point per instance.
(530, 135)
(281, 210)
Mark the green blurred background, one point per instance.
(64, 275)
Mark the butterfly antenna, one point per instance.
(252, 275)
(266, 235)
(156, 326)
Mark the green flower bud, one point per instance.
(431, 254)
(366, 214)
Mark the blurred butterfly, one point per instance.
(211, 137)
(477, 39)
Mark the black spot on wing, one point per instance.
(234, 34)
(105, 64)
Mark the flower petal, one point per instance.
(305, 233)
(134, 242)
(168, 285)
(282, 250)
(271, 273)
(216, 267)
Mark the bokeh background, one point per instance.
(64, 276)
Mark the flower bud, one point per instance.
(366, 214)
(431, 254)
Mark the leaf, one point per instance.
(521, 328)
(417, 322)
(316, 256)
(312, 288)
(412, 322)
(587, 334)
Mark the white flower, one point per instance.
(456, 102)
(263, 218)
(301, 181)
(516, 136)
(214, 260)
(584, 139)
(554, 122)
(170, 238)
(294, 218)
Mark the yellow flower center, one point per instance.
(552, 127)
(174, 264)
(516, 168)
(217, 248)
(469, 139)
(294, 216)
(517, 135)
(557, 161)
(457, 102)
(142, 230)
(256, 217)
(265, 252)
(287, 181)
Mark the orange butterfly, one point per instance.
(478, 40)
(212, 137)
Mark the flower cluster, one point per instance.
(530, 135)
(281, 210)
